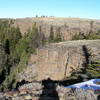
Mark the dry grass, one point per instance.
(83, 24)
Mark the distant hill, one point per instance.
(68, 26)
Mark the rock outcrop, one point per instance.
(57, 61)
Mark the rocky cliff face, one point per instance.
(68, 27)
(57, 61)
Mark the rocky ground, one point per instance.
(48, 91)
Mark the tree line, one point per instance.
(15, 51)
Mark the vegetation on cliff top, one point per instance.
(90, 36)
(55, 37)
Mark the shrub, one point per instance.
(90, 36)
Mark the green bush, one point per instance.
(22, 47)
(94, 69)
(12, 79)
(90, 36)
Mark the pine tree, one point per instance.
(58, 37)
(51, 38)
(7, 45)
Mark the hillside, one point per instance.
(68, 26)
(39, 57)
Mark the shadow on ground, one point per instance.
(49, 90)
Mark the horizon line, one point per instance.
(45, 16)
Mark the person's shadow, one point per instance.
(98, 97)
(49, 90)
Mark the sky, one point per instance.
(57, 8)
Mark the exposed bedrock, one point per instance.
(58, 60)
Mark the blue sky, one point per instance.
(58, 8)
